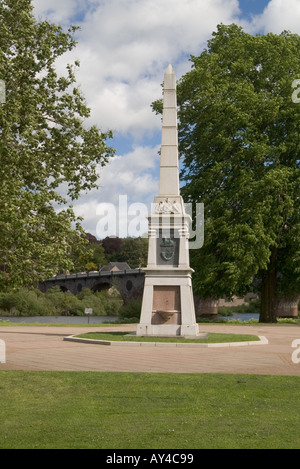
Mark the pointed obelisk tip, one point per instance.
(170, 70)
(170, 79)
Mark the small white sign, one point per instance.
(88, 310)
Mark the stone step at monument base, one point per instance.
(170, 330)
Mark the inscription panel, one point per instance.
(166, 305)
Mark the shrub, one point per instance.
(56, 298)
(112, 306)
(90, 299)
(25, 302)
(55, 302)
(131, 311)
(64, 302)
(101, 302)
(72, 305)
(225, 310)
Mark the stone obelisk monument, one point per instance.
(168, 303)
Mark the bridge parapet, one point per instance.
(130, 283)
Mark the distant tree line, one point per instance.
(97, 254)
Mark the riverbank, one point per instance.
(102, 319)
(81, 320)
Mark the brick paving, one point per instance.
(44, 348)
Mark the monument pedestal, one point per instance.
(167, 308)
(168, 301)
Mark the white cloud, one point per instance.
(279, 15)
(140, 33)
(132, 177)
(132, 174)
(59, 11)
(125, 45)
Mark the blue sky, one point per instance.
(124, 47)
(250, 8)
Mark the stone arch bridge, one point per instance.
(130, 283)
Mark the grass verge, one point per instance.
(68, 410)
(212, 338)
(58, 324)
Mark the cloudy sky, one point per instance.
(124, 47)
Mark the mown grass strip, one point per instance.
(126, 337)
(91, 410)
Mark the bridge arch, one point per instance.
(101, 287)
(129, 282)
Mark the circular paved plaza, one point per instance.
(44, 348)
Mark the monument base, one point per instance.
(169, 330)
(168, 304)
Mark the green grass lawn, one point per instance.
(54, 324)
(212, 338)
(153, 411)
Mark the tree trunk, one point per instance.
(268, 291)
(268, 296)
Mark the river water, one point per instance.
(241, 317)
(97, 319)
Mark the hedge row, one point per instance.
(54, 302)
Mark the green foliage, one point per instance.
(91, 253)
(253, 307)
(55, 302)
(44, 143)
(98, 256)
(134, 251)
(131, 311)
(71, 305)
(56, 298)
(25, 302)
(102, 302)
(239, 142)
(91, 266)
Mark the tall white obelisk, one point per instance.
(168, 303)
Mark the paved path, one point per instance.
(43, 348)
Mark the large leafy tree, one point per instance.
(134, 251)
(44, 145)
(240, 146)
